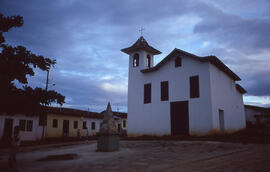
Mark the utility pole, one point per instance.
(47, 81)
(44, 115)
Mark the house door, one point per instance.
(66, 128)
(119, 128)
(221, 120)
(179, 118)
(8, 130)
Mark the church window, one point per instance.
(147, 93)
(136, 60)
(164, 90)
(194, 87)
(178, 62)
(148, 61)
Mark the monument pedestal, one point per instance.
(108, 139)
(108, 142)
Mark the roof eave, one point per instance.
(240, 89)
(151, 50)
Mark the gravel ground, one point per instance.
(146, 156)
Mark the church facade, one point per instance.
(184, 94)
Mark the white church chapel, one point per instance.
(184, 94)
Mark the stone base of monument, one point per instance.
(108, 143)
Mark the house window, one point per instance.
(93, 125)
(148, 61)
(22, 125)
(55, 123)
(136, 60)
(84, 125)
(124, 124)
(178, 62)
(164, 90)
(147, 93)
(75, 124)
(194, 87)
(29, 125)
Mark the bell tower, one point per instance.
(140, 55)
(140, 58)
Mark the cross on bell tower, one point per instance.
(141, 30)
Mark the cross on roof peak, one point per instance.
(141, 30)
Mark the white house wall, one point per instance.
(89, 126)
(226, 97)
(36, 132)
(154, 118)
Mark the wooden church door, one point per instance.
(179, 118)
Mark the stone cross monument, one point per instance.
(108, 140)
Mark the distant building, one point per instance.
(66, 122)
(184, 94)
(121, 120)
(59, 122)
(257, 115)
(30, 126)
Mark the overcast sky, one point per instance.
(85, 37)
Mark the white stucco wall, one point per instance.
(226, 97)
(36, 132)
(89, 126)
(154, 118)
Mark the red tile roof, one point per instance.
(212, 59)
(141, 44)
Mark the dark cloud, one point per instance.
(86, 37)
(248, 35)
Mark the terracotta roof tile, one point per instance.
(212, 59)
(141, 44)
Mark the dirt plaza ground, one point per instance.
(145, 156)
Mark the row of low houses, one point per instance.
(258, 116)
(59, 122)
(66, 122)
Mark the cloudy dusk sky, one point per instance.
(85, 37)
